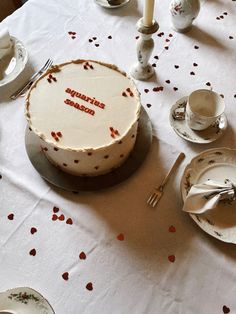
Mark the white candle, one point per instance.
(148, 12)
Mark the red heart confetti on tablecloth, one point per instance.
(148, 105)
(10, 216)
(33, 230)
(65, 276)
(120, 237)
(171, 258)
(69, 221)
(32, 252)
(226, 309)
(82, 255)
(89, 286)
(172, 228)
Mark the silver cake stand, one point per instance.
(75, 183)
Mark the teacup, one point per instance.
(203, 108)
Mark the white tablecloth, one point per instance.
(165, 263)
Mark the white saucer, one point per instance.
(181, 127)
(24, 300)
(11, 66)
(215, 164)
(105, 4)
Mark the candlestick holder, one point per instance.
(143, 70)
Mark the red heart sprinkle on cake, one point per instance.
(172, 228)
(54, 217)
(171, 258)
(55, 209)
(61, 217)
(69, 221)
(120, 237)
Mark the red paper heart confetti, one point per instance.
(208, 83)
(196, 47)
(154, 65)
(146, 90)
(65, 276)
(195, 64)
(149, 105)
(120, 237)
(137, 37)
(109, 37)
(10, 216)
(192, 73)
(168, 81)
(33, 230)
(226, 309)
(171, 258)
(55, 209)
(54, 217)
(172, 228)
(0, 176)
(176, 66)
(61, 217)
(69, 221)
(32, 252)
(175, 88)
(82, 255)
(156, 57)
(89, 286)
(231, 37)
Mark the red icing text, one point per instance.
(78, 106)
(90, 100)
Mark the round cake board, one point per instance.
(76, 183)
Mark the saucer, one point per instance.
(13, 64)
(24, 300)
(182, 129)
(217, 164)
(105, 4)
(72, 183)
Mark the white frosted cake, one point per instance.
(86, 115)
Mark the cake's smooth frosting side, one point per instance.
(86, 115)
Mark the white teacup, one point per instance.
(204, 107)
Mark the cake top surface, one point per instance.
(82, 104)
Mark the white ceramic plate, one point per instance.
(13, 65)
(105, 4)
(216, 164)
(201, 137)
(24, 300)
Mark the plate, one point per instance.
(75, 183)
(216, 164)
(24, 300)
(11, 66)
(105, 4)
(182, 129)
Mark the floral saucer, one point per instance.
(108, 4)
(11, 66)
(217, 164)
(182, 129)
(24, 300)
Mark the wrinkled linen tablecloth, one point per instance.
(134, 259)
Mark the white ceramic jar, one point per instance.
(183, 12)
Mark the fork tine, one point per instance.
(152, 199)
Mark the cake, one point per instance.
(86, 115)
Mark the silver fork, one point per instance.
(157, 194)
(24, 88)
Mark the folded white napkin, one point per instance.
(206, 196)
(5, 43)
